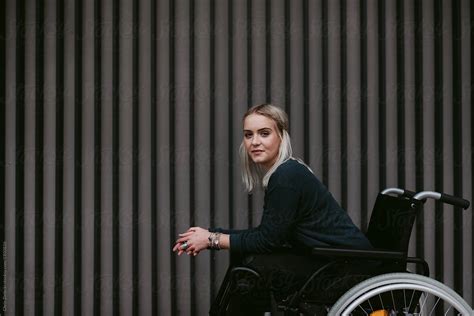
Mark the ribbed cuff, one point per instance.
(215, 230)
(235, 243)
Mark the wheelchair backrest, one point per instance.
(392, 221)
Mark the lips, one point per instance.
(257, 151)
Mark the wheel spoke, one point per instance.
(381, 301)
(437, 301)
(404, 297)
(393, 301)
(371, 308)
(411, 299)
(448, 310)
(363, 310)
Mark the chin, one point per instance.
(258, 161)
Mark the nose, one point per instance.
(255, 140)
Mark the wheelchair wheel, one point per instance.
(401, 294)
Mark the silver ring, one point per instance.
(184, 246)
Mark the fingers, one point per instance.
(182, 247)
(186, 234)
(177, 246)
(193, 253)
(190, 231)
(191, 250)
(182, 239)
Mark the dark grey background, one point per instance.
(122, 122)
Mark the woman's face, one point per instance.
(261, 140)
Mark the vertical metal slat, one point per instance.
(19, 157)
(115, 158)
(58, 235)
(154, 156)
(39, 144)
(172, 154)
(457, 146)
(212, 114)
(401, 93)
(419, 118)
(363, 115)
(343, 61)
(3, 133)
(382, 94)
(78, 16)
(97, 156)
(325, 71)
(192, 149)
(135, 162)
(439, 146)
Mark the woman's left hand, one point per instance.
(195, 239)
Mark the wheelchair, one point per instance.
(366, 282)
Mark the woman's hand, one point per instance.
(192, 241)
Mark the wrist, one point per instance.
(213, 241)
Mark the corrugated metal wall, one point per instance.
(122, 121)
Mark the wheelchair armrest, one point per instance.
(425, 269)
(358, 253)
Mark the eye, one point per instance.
(248, 135)
(265, 133)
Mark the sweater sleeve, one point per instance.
(227, 231)
(278, 219)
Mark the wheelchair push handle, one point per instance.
(398, 192)
(456, 201)
(443, 197)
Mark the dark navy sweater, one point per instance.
(298, 211)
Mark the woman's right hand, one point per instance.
(192, 241)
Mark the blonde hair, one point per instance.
(252, 174)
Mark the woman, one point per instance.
(299, 212)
